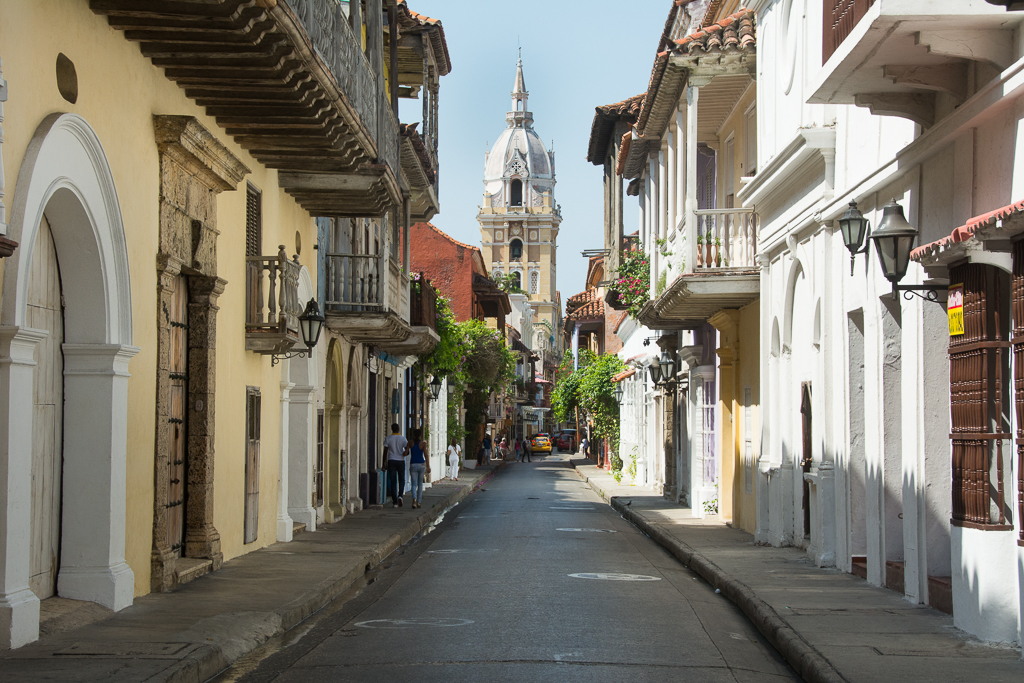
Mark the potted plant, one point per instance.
(700, 250)
(718, 253)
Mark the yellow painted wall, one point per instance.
(749, 375)
(119, 92)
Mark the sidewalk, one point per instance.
(829, 625)
(197, 631)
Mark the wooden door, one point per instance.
(252, 463)
(808, 455)
(177, 415)
(45, 312)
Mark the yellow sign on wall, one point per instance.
(955, 309)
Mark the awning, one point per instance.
(992, 219)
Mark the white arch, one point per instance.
(65, 173)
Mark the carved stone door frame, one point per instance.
(194, 168)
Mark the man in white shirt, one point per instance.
(397, 447)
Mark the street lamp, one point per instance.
(854, 227)
(435, 388)
(618, 392)
(311, 323)
(655, 369)
(668, 367)
(894, 241)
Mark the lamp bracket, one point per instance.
(278, 357)
(931, 292)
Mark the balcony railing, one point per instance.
(272, 302)
(839, 18)
(423, 304)
(353, 282)
(336, 44)
(726, 238)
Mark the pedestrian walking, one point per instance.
(519, 449)
(503, 449)
(454, 458)
(527, 450)
(487, 449)
(585, 447)
(419, 467)
(396, 447)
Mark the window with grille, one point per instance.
(534, 282)
(252, 463)
(318, 464)
(253, 222)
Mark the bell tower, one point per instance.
(518, 217)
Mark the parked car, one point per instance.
(566, 440)
(540, 442)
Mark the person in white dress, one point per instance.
(454, 456)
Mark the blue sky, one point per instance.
(576, 55)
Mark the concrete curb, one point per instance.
(209, 660)
(808, 662)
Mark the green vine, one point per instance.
(590, 389)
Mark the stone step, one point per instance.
(297, 528)
(191, 568)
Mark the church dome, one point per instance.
(519, 151)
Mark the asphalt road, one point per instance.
(533, 578)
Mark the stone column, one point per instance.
(299, 484)
(670, 174)
(201, 537)
(92, 562)
(691, 175)
(19, 606)
(285, 524)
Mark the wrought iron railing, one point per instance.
(726, 238)
(353, 282)
(839, 18)
(341, 51)
(272, 294)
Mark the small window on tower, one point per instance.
(515, 250)
(517, 192)
(517, 280)
(534, 282)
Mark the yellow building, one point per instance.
(519, 218)
(161, 211)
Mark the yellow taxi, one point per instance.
(540, 442)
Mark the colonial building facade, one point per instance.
(161, 414)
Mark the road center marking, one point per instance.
(413, 622)
(453, 551)
(615, 577)
(597, 531)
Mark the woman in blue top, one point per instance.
(419, 467)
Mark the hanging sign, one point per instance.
(955, 309)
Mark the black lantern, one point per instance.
(854, 227)
(311, 322)
(668, 367)
(893, 241)
(618, 392)
(655, 369)
(435, 387)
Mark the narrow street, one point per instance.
(532, 578)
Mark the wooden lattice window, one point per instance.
(979, 398)
(318, 464)
(253, 221)
(1018, 369)
(252, 463)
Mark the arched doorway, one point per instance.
(65, 212)
(334, 473)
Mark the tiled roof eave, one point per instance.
(1002, 224)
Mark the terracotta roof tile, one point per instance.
(584, 305)
(735, 33)
(625, 374)
(605, 118)
(966, 231)
(413, 20)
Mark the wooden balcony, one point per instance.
(290, 82)
(272, 307)
(906, 58)
(363, 299)
(423, 320)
